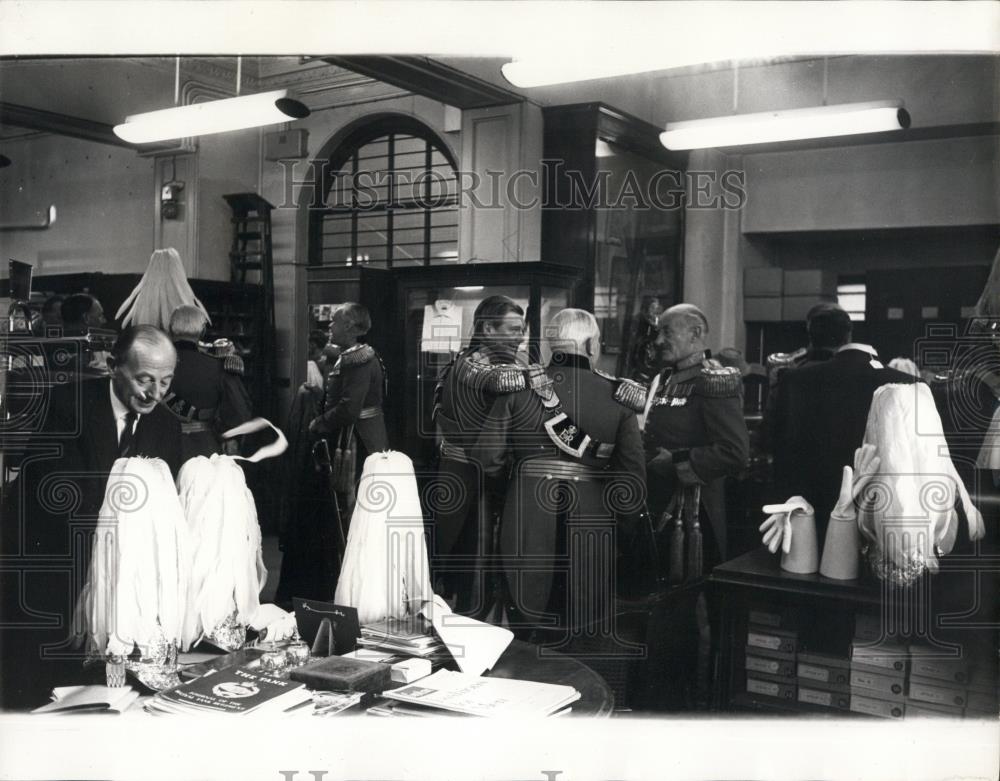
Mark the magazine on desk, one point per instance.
(236, 691)
(477, 696)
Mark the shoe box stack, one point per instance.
(772, 643)
(824, 680)
(895, 679)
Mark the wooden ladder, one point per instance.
(251, 253)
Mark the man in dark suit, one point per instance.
(819, 419)
(52, 508)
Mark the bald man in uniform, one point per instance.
(695, 433)
(695, 436)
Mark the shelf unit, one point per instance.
(237, 312)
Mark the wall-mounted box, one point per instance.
(762, 281)
(762, 310)
(810, 282)
(286, 144)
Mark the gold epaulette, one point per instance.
(785, 360)
(498, 378)
(631, 394)
(720, 381)
(355, 356)
(233, 364)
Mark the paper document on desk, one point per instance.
(475, 645)
(90, 699)
(477, 696)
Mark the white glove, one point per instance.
(273, 623)
(853, 482)
(778, 526)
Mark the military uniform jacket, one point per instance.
(355, 390)
(465, 395)
(696, 413)
(203, 391)
(598, 405)
(602, 481)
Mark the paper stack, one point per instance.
(90, 699)
(236, 690)
(412, 636)
(477, 696)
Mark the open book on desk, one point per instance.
(90, 699)
(476, 696)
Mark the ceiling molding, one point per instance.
(220, 73)
(424, 76)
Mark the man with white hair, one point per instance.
(577, 455)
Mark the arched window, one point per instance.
(390, 198)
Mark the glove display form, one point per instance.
(843, 541)
(792, 527)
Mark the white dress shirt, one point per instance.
(119, 411)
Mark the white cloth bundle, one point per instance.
(385, 564)
(227, 569)
(989, 453)
(136, 585)
(162, 289)
(909, 507)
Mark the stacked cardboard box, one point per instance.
(824, 680)
(770, 657)
(941, 684)
(893, 679)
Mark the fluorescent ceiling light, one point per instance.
(603, 149)
(770, 126)
(217, 116)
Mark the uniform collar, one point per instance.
(865, 348)
(694, 359)
(185, 344)
(569, 360)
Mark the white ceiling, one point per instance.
(938, 90)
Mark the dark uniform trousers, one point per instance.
(564, 501)
(696, 414)
(354, 396)
(463, 502)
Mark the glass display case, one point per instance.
(434, 309)
(624, 229)
(637, 264)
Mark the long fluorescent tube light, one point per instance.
(795, 124)
(217, 116)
